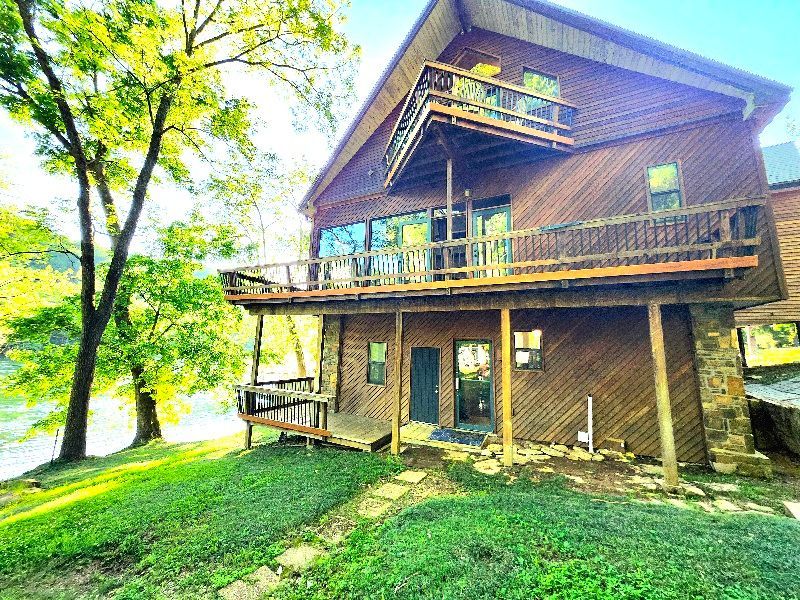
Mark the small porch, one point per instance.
(290, 405)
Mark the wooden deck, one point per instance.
(354, 431)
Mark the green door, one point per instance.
(474, 385)
(425, 385)
(491, 221)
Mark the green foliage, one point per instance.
(181, 333)
(184, 518)
(36, 265)
(544, 541)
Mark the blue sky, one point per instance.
(763, 38)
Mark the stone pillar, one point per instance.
(726, 416)
(330, 356)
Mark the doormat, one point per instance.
(454, 436)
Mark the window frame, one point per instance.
(546, 74)
(463, 52)
(540, 349)
(681, 187)
(370, 362)
(328, 227)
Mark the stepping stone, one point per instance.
(391, 491)
(759, 508)
(299, 558)
(692, 490)
(253, 586)
(598, 457)
(723, 487)
(706, 506)
(372, 508)
(546, 470)
(792, 509)
(652, 470)
(456, 456)
(561, 448)
(494, 447)
(411, 476)
(553, 452)
(726, 505)
(487, 467)
(335, 530)
(677, 503)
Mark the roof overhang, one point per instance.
(545, 24)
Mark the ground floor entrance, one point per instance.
(474, 385)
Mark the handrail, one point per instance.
(463, 94)
(729, 228)
(661, 215)
(295, 394)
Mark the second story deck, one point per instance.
(710, 241)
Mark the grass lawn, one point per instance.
(544, 541)
(169, 520)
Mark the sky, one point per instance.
(763, 38)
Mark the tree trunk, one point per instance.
(297, 347)
(73, 444)
(147, 426)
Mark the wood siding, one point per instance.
(786, 207)
(604, 352)
(718, 161)
(612, 103)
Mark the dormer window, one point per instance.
(478, 62)
(541, 83)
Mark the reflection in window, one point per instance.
(528, 354)
(478, 62)
(541, 83)
(342, 240)
(376, 358)
(399, 230)
(664, 184)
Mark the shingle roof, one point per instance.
(783, 164)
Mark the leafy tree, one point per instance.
(115, 88)
(180, 335)
(37, 266)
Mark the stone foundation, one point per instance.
(331, 338)
(726, 416)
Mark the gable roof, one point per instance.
(552, 26)
(782, 162)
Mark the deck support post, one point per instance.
(257, 350)
(505, 362)
(398, 381)
(666, 433)
(248, 435)
(449, 199)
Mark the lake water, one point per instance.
(111, 428)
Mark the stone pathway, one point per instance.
(377, 502)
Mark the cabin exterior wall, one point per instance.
(786, 208)
(599, 351)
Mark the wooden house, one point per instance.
(782, 163)
(534, 207)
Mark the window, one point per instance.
(664, 187)
(399, 231)
(541, 82)
(376, 359)
(342, 240)
(478, 62)
(528, 354)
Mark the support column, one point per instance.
(666, 434)
(248, 426)
(398, 381)
(505, 362)
(449, 199)
(330, 357)
(726, 414)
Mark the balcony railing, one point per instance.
(285, 405)
(722, 230)
(459, 93)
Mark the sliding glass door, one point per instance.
(491, 221)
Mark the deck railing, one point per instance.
(730, 228)
(452, 87)
(276, 404)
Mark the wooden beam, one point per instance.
(398, 381)
(666, 433)
(449, 201)
(505, 363)
(257, 350)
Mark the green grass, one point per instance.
(163, 520)
(545, 541)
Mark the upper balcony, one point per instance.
(485, 121)
(711, 241)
